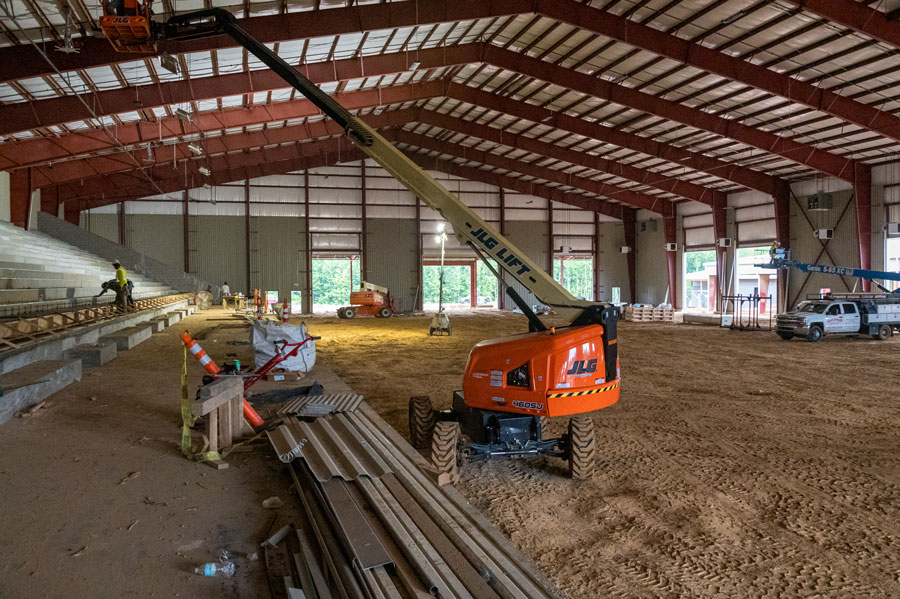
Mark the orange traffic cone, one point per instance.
(211, 367)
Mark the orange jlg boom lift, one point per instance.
(510, 384)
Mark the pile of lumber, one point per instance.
(648, 314)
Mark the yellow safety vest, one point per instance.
(120, 276)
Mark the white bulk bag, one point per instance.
(267, 332)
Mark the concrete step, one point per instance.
(93, 354)
(35, 382)
(125, 339)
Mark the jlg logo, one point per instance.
(579, 367)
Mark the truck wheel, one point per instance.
(884, 332)
(581, 447)
(349, 312)
(785, 335)
(421, 421)
(815, 333)
(384, 312)
(445, 449)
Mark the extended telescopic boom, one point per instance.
(468, 227)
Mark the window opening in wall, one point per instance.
(576, 274)
(700, 281)
(333, 278)
(892, 260)
(616, 295)
(466, 283)
(296, 302)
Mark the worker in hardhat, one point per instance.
(122, 287)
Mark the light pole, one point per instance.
(440, 323)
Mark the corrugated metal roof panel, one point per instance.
(331, 446)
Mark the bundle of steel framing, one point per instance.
(374, 524)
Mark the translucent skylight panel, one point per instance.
(231, 60)
(103, 78)
(318, 48)
(38, 88)
(281, 95)
(207, 105)
(347, 45)
(259, 98)
(232, 101)
(129, 117)
(199, 64)
(70, 82)
(8, 95)
(290, 51)
(136, 72)
(255, 64)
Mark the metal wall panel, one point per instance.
(532, 238)
(278, 254)
(103, 224)
(611, 264)
(391, 258)
(806, 248)
(652, 270)
(158, 236)
(218, 250)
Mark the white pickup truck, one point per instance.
(874, 314)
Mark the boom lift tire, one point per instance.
(421, 421)
(385, 312)
(445, 449)
(815, 333)
(884, 332)
(581, 447)
(786, 336)
(349, 313)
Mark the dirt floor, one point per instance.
(100, 503)
(734, 465)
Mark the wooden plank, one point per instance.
(224, 425)
(237, 418)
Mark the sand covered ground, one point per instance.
(734, 465)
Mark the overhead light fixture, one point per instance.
(195, 149)
(207, 186)
(415, 65)
(204, 171)
(378, 110)
(67, 46)
(547, 118)
(169, 63)
(182, 114)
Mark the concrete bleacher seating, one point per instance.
(40, 274)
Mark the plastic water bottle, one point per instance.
(213, 569)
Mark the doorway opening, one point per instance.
(333, 278)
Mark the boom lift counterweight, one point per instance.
(510, 384)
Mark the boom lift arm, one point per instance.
(468, 227)
(781, 259)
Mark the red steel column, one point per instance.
(247, 249)
(671, 237)
(862, 195)
(720, 229)
(363, 258)
(501, 297)
(120, 211)
(308, 297)
(629, 220)
(187, 233)
(782, 199)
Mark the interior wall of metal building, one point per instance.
(532, 237)
(218, 250)
(277, 256)
(392, 258)
(159, 236)
(842, 250)
(612, 265)
(652, 272)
